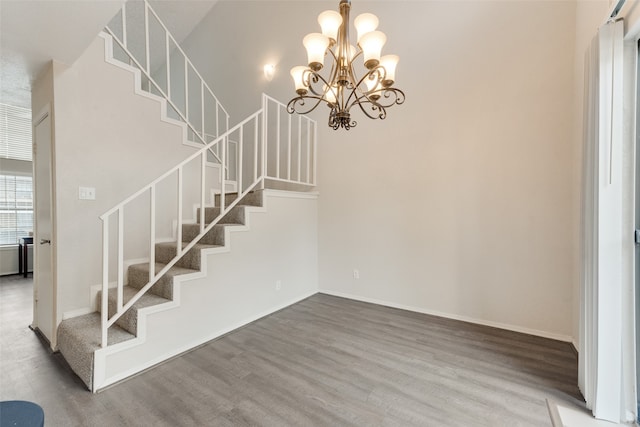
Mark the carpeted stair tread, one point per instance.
(87, 329)
(253, 198)
(190, 231)
(215, 236)
(79, 337)
(173, 271)
(129, 292)
(235, 216)
(184, 244)
(165, 252)
(138, 276)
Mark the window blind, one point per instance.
(15, 133)
(16, 208)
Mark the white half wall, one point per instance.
(280, 243)
(9, 260)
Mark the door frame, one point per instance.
(37, 119)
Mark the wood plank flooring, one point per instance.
(325, 361)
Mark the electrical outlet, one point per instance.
(356, 273)
(278, 285)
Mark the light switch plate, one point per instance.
(86, 193)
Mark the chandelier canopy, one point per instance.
(342, 89)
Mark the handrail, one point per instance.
(267, 146)
(188, 66)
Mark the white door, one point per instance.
(43, 274)
(637, 232)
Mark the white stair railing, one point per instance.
(292, 147)
(142, 40)
(269, 146)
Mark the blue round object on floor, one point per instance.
(21, 413)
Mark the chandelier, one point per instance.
(342, 89)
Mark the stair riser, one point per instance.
(215, 236)
(235, 216)
(229, 198)
(128, 321)
(139, 278)
(189, 260)
(251, 199)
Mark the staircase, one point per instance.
(267, 147)
(80, 337)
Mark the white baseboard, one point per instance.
(535, 332)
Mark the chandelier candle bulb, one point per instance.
(316, 45)
(389, 63)
(330, 22)
(298, 79)
(330, 94)
(371, 44)
(365, 23)
(342, 85)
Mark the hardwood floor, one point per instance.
(325, 361)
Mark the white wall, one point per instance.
(9, 261)
(106, 137)
(461, 201)
(233, 42)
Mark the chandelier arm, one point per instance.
(398, 97)
(333, 54)
(310, 77)
(299, 101)
(314, 77)
(352, 71)
(327, 87)
(380, 74)
(333, 73)
(374, 107)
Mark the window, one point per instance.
(16, 190)
(15, 133)
(16, 208)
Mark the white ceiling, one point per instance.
(33, 32)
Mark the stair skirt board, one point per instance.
(102, 382)
(79, 338)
